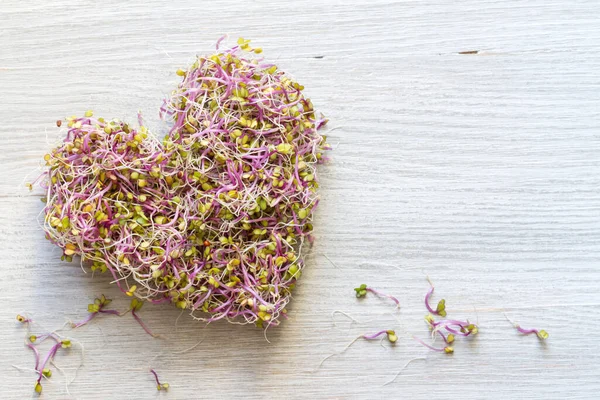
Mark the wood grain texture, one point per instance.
(480, 170)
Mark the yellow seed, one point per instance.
(180, 72)
(89, 113)
(280, 260)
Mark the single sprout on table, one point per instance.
(441, 306)
(540, 333)
(388, 333)
(362, 290)
(95, 308)
(159, 386)
(446, 349)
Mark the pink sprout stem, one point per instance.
(428, 346)
(155, 377)
(36, 354)
(48, 357)
(84, 321)
(427, 297)
(139, 320)
(527, 331)
(374, 335)
(380, 294)
(443, 336)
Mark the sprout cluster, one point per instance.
(447, 329)
(41, 364)
(214, 217)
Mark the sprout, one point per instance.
(159, 386)
(540, 333)
(446, 349)
(441, 306)
(388, 333)
(362, 290)
(96, 308)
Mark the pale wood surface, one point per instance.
(482, 171)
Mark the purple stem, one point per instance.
(36, 353)
(427, 297)
(374, 335)
(114, 312)
(139, 320)
(427, 345)
(395, 300)
(155, 376)
(526, 331)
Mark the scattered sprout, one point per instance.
(441, 306)
(540, 333)
(159, 386)
(390, 334)
(446, 349)
(94, 309)
(362, 290)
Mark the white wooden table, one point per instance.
(480, 170)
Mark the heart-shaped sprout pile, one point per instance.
(214, 217)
